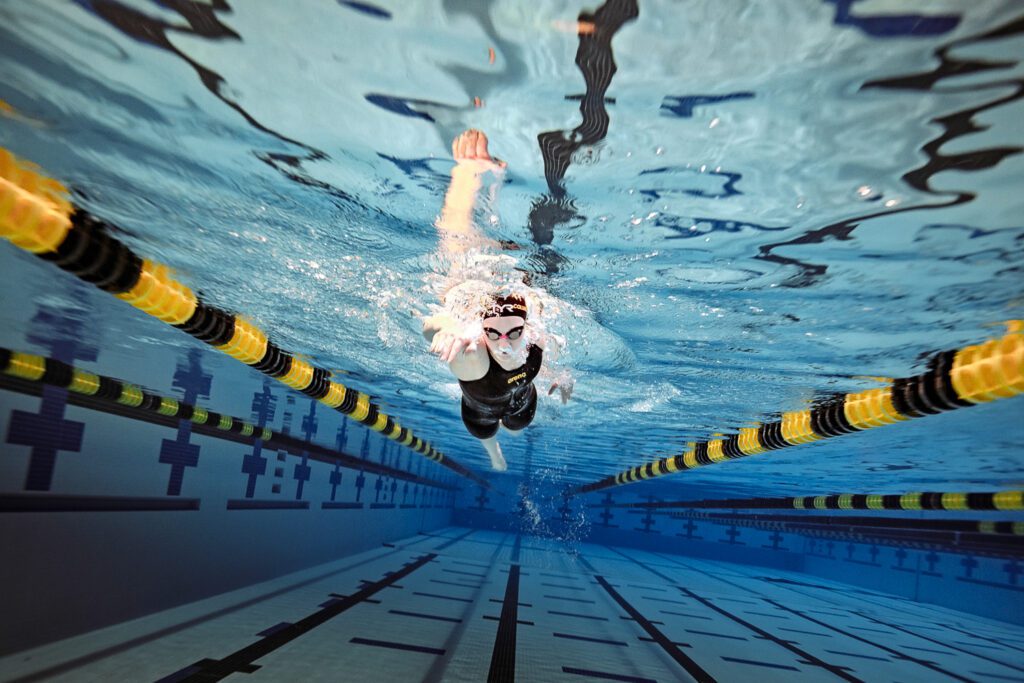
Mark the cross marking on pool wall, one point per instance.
(690, 527)
(335, 481)
(776, 539)
(732, 533)
(180, 453)
(47, 433)
(303, 471)
(606, 514)
(254, 464)
(648, 519)
(364, 453)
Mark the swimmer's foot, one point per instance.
(498, 463)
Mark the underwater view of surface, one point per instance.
(730, 221)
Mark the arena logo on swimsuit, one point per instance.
(515, 378)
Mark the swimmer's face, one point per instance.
(499, 333)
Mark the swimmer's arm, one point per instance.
(463, 350)
(562, 380)
(434, 324)
(472, 160)
(457, 213)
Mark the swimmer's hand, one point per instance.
(470, 150)
(448, 346)
(449, 339)
(565, 386)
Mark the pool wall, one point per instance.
(105, 517)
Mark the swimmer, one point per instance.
(491, 350)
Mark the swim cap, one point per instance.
(500, 305)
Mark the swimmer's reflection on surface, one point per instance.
(596, 62)
(485, 333)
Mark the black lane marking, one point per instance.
(714, 635)
(806, 633)
(987, 647)
(246, 504)
(939, 642)
(683, 614)
(928, 649)
(329, 505)
(756, 663)
(521, 622)
(667, 645)
(809, 658)
(648, 588)
(452, 541)
(501, 601)
(897, 653)
(459, 571)
(340, 596)
(421, 615)
(442, 597)
(558, 576)
(660, 599)
(986, 676)
(570, 636)
(242, 661)
(29, 502)
(558, 585)
(783, 616)
(58, 669)
(559, 597)
(859, 656)
(517, 548)
(453, 583)
(980, 637)
(397, 646)
(578, 616)
(503, 656)
(606, 676)
(439, 667)
(470, 564)
(675, 642)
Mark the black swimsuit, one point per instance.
(506, 396)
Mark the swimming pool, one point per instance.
(736, 217)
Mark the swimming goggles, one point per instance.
(511, 335)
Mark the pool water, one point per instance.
(734, 217)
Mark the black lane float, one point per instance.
(36, 215)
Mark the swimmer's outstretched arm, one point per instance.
(460, 347)
(472, 160)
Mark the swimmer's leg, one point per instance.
(484, 427)
(511, 432)
(494, 451)
(518, 420)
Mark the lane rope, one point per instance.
(980, 373)
(37, 216)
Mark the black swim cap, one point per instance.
(499, 306)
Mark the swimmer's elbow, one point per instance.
(434, 324)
